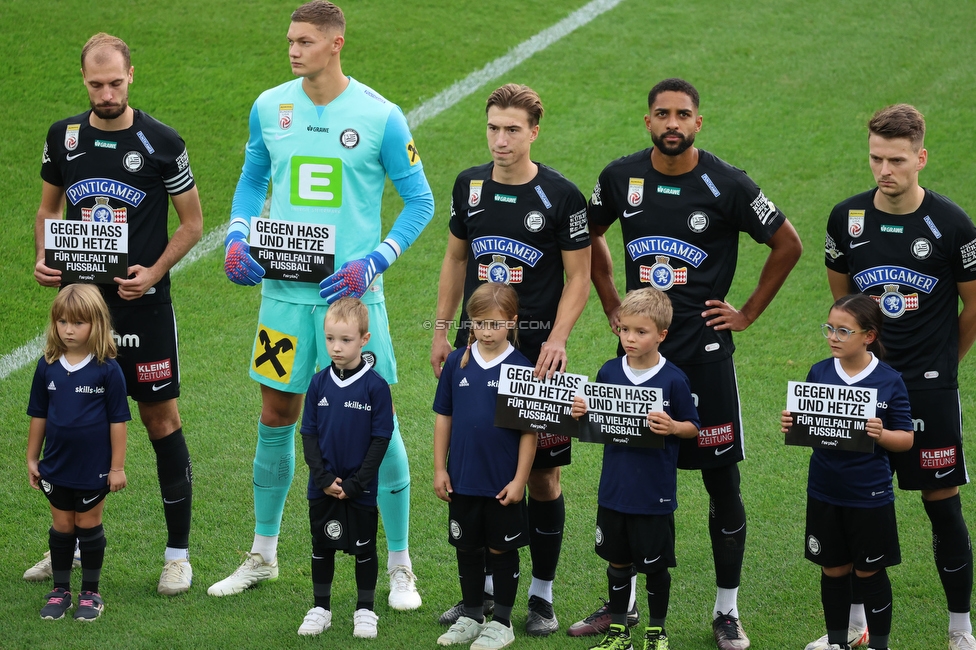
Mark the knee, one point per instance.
(837, 571)
(160, 418)
(544, 484)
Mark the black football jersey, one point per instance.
(910, 264)
(121, 176)
(516, 234)
(681, 236)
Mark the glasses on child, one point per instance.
(842, 333)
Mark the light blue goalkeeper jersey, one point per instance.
(327, 165)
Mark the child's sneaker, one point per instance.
(58, 602)
(728, 633)
(494, 636)
(858, 637)
(316, 621)
(90, 606)
(617, 638)
(176, 578)
(961, 640)
(364, 624)
(655, 638)
(465, 630)
(42, 570)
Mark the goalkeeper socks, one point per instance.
(274, 468)
(393, 493)
(175, 473)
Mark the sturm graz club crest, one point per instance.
(455, 530)
(894, 303)
(921, 248)
(698, 221)
(498, 271)
(813, 544)
(599, 536)
(369, 358)
(661, 275)
(535, 221)
(333, 529)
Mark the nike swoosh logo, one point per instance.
(944, 474)
(155, 387)
(168, 502)
(719, 452)
(646, 561)
(853, 245)
(73, 156)
(872, 560)
(733, 532)
(279, 136)
(471, 213)
(878, 611)
(358, 543)
(556, 452)
(948, 570)
(508, 539)
(630, 214)
(87, 501)
(549, 532)
(620, 587)
(400, 490)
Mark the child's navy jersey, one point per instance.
(482, 458)
(641, 480)
(345, 414)
(852, 478)
(79, 403)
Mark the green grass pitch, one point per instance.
(787, 88)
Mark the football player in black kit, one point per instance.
(114, 163)
(517, 221)
(681, 210)
(914, 251)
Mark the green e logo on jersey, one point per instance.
(316, 181)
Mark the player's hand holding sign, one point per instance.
(239, 266)
(353, 278)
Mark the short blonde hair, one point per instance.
(84, 303)
(350, 310)
(648, 303)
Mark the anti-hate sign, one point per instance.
(530, 404)
(87, 251)
(830, 417)
(617, 415)
(291, 250)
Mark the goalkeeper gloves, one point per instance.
(239, 266)
(353, 278)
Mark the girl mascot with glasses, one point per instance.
(850, 520)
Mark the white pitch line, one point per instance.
(27, 353)
(461, 89)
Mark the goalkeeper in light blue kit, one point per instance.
(326, 142)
